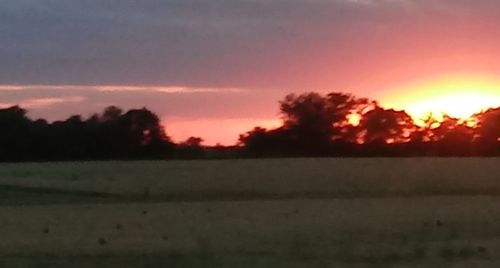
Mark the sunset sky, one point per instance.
(217, 68)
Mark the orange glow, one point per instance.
(354, 119)
(460, 105)
(459, 96)
(215, 130)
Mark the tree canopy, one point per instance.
(313, 124)
(319, 125)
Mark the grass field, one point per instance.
(422, 212)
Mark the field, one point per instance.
(389, 212)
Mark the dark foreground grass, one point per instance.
(240, 260)
(19, 195)
(27, 195)
(134, 260)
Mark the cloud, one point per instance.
(262, 44)
(36, 103)
(118, 88)
(170, 89)
(55, 102)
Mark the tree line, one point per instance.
(324, 125)
(313, 124)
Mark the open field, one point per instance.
(252, 213)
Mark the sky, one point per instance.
(218, 68)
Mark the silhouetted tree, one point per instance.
(260, 142)
(316, 118)
(143, 134)
(195, 142)
(112, 135)
(111, 113)
(191, 148)
(452, 137)
(15, 134)
(487, 132)
(386, 126)
(312, 122)
(424, 132)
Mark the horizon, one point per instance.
(219, 68)
(417, 118)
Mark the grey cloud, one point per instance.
(224, 43)
(168, 42)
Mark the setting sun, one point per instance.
(461, 105)
(457, 96)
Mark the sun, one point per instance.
(462, 105)
(458, 96)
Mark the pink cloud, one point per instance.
(123, 88)
(43, 102)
